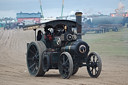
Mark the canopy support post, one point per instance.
(35, 34)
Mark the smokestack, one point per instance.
(78, 25)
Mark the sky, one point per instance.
(52, 8)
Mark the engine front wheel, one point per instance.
(94, 65)
(65, 65)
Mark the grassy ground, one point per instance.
(110, 43)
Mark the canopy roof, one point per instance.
(52, 24)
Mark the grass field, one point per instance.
(110, 43)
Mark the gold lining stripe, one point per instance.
(78, 14)
(70, 46)
(32, 27)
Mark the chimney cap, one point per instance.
(78, 13)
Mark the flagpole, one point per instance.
(41, 8)
(62, 8)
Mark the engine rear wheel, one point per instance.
(65, 65)
(34, 59)
(94, 65)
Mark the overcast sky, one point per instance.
(52, 8)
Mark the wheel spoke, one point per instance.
(97, 60)
(34, 48)
(66, 72)
(34, 70)
(95, 71)
(32, 65)
(93, 58)
(66, 61)
(92, 70)
(31, 51)
(63, 59)
(36, 55)
(37, 64)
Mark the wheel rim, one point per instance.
(94, 65)
(65, 66)
(33, 60)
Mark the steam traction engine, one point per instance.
(61, 47)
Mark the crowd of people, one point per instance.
(8, 23)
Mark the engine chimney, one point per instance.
(78, 25)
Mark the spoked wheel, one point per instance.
(65, 65)
(94, 65)
(34, 59)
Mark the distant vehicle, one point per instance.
(10, 26)
(61, 47)
(26, 22)
(29, 22)
(102, 24)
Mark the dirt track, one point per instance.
(13, 70)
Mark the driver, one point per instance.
(39, 35)
(49, 38)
